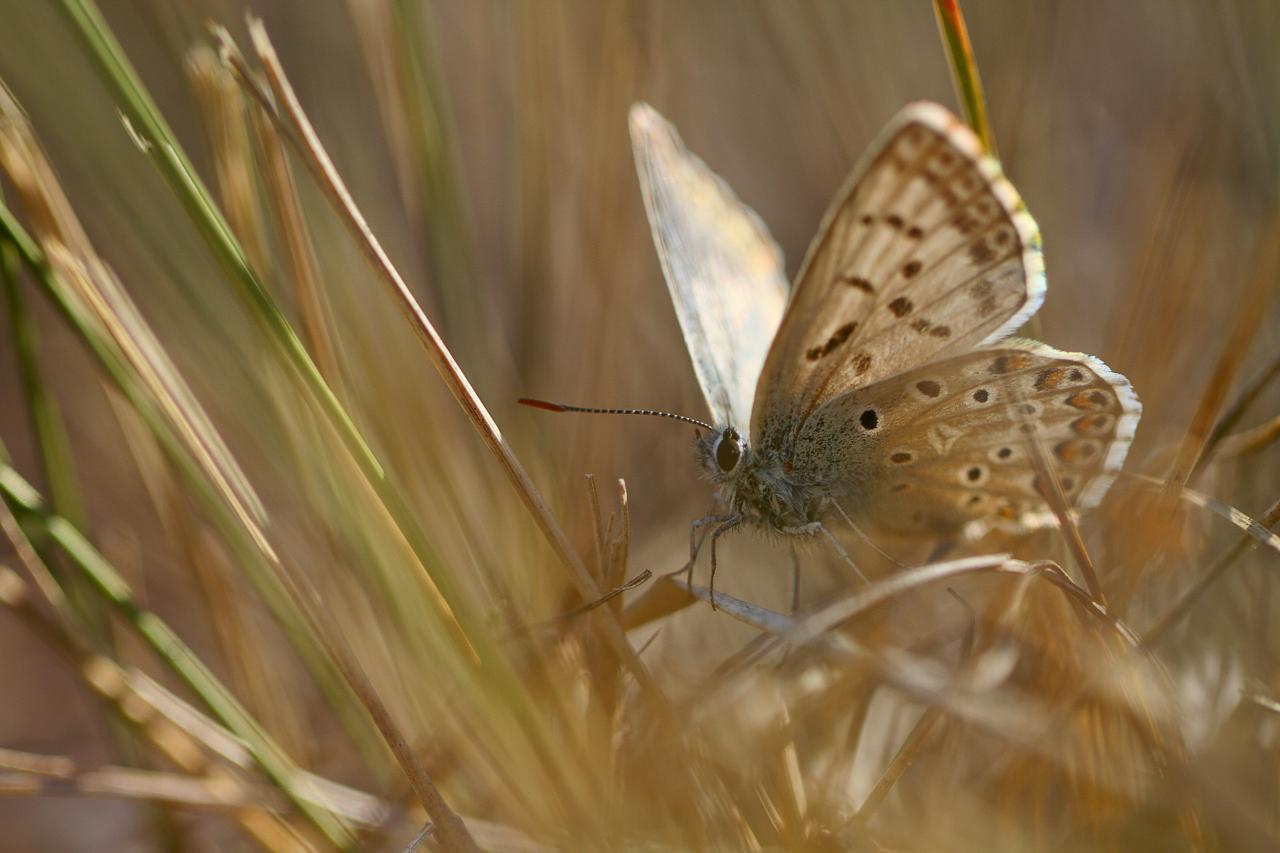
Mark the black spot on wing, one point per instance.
(857, 282)
(838, 337)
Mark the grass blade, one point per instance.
(964, 70)
(25, 502)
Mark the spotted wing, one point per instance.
(723, 269)
(927, 252)
(947, 445)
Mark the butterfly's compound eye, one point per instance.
(728, 451)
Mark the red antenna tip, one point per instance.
(541, 404)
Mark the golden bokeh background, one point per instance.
(486, 143)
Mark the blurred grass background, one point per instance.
(487, 145)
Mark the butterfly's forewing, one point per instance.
(927, 252)
(723, 269)
(950, 444)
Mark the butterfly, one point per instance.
(883, 388)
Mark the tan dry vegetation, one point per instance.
(266, 491)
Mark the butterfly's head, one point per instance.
(723, 453)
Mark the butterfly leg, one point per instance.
(728, 524)
(865, 538)
(795, 580)
(940, 550)
(844, 555)
(695, 545)
(818, 527)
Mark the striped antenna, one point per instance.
(561, 407)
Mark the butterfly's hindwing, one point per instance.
(951, 439)
(928, 252)
(723, 269)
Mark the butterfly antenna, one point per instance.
(561, 407)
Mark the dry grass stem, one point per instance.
(331, 182)
(268, 583)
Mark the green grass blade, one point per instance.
(46, 418)
(147, 122)
(964, 70)
(26, 504)
(53, 446)
(471, 638)
(446, 214)
(118, 370)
